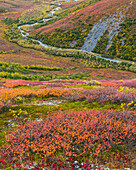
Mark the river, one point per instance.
(51, 14)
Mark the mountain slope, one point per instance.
(91, 18)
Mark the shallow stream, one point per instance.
(93, 35)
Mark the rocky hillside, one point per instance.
(102, 26)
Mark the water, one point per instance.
(109, 59)
(48, 103)
(95, 33)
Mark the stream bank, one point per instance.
(93, 36)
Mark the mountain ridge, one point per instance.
(61, 33)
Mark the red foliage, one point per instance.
(76, 134)
(15, 83)
(118, 83)
(103, 95)
(96, 10)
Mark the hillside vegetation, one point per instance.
(67, 84)
(74, 22)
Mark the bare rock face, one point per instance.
(110, 23)
(72, 44)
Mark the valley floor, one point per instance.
(63, 108)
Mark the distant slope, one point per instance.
(14, 5)
(114, 32)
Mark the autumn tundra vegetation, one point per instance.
(63, 106)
